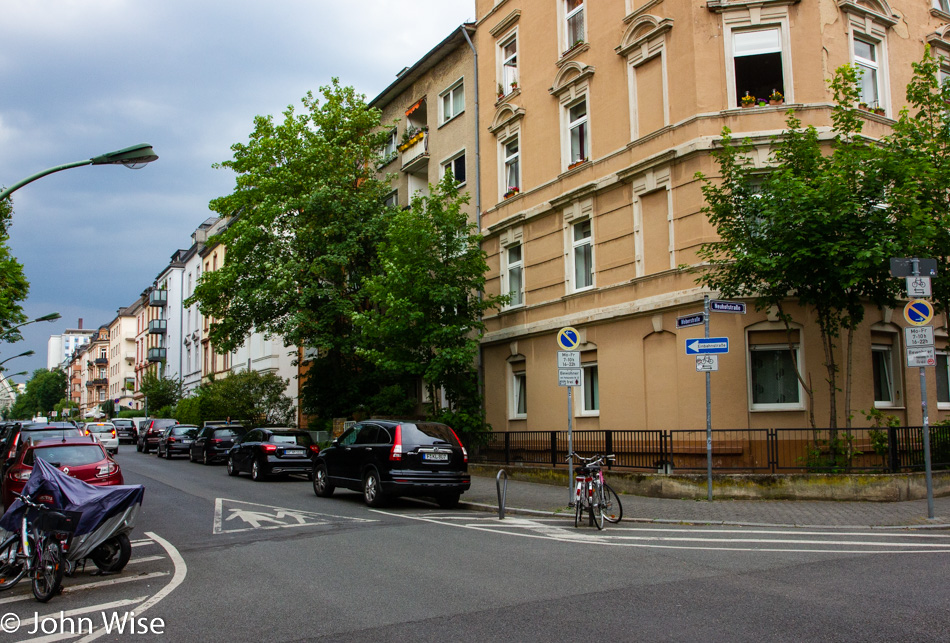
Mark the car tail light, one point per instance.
(88, 432)
(315, 448)
(113, 432)
(21, 474)
(269, 448)
(216, 441)
(106, 470)
(172, 440)
(395, 454)
(464, 452)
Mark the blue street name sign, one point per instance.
(708, 346)
(719, 306)
(690, 320)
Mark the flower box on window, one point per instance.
(511, 192)
(577, 163)
(776, 98)
(747, 100)
(577, 43)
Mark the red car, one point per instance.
(82, 458)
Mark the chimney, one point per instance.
(80, 323)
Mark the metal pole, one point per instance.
(709, 494)
(570, 450)
(928, 475)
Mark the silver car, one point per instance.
(105, 433)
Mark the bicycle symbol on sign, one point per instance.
(707, 362)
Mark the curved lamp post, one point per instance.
(134, 157)
(23, 354)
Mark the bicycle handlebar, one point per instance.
(596, 459)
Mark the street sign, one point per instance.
(568, 359)
(707, 363)
(568, 338)
(707, 346)
(904, 267)
(918, 287)
(568, 377)
(918, 312)
(919, 336)
(919, 357)
(718, 306)
(690, 320)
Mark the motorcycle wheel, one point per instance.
(113, 554)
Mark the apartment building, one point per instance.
(94, 373)
(60, 348)
(122, 333)
(590, 204)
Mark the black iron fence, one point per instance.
(885, 450)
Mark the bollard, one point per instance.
(502, 492)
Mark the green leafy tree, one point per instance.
(162, 393)
(255, 399)
(307, 216)
(13, 284)
(425, 319)
(44, 390)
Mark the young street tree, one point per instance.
(425, 321)
(13, 284)
(44, 390)
(307, 216)
(162, 393)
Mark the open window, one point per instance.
(757, 63)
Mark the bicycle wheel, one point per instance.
(12, 568)
(578, 509)
(613, 510)
(48, 568)
(597, 507)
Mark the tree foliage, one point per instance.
(45, 389)
(252, 398)
(161, 393)
(13, 284)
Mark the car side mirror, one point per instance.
(335, 443)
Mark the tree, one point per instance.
(307, 214)
(425, 318)
(160, 392)
(255, 399)
(44, 390)
(13, 284)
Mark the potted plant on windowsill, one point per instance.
(514, 85)
(577, 43)
(511, 192)
(577, 163)
(776, 98)
(747, 101)
(501, 91)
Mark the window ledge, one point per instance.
(573, 52)
(892, 407)
(577, 168)
(447, 121)
(511, 309)
(505, 98)
(518, 418)
(580, 291)
(587, 414)
(943, 15)
(780, 408)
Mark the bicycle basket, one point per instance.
(58, 520)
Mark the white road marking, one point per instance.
(259, 516)
(119, 580)
(75, 612)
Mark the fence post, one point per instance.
(893, 457)
(771, 440)
(507, 447)
(553, 448)
(608, 444)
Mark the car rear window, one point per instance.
(43, 434)
(101, 428)
(69, 455)
(426, 433)
(224, 434)
(184, 430)
(122, 422)
(303, 439)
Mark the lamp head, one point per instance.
(133, 157)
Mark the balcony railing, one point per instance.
(416, 155)
(99, 381)
(156, 354)
(158, 326)
(158, 298)
(102, 361)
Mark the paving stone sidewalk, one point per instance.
(532, 497)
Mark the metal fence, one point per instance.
(886, 450)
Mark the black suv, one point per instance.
(152, 433)
(385, 458)
(213, 441)
(125, 429)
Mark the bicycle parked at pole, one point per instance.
(36, 549)
(592, 495)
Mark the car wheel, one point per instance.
(191, 456)
(321, 484)
(138, 447)
(205, 460)
(372, 490)
(232, 468)
(257, 471)
(448, 500)
(168, 454)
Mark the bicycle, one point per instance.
(593, 494)
(37, 549)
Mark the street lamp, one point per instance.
(23, 354)
(134, 157)
(10, 334)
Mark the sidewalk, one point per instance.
(534, 498)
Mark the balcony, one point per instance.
(156, 354)
(158, 298)
(158, 327)
(130, 358)
(102, 361)
(415, 153)
(99, 381)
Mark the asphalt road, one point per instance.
(227, 559)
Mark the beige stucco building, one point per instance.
(122, 334)
(590, 205)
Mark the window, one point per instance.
(591, 390)
(577, 132)
(514, 276)
(774, 381)
(389, 149)
(757, 60)
(453, 102)
(457, 166)
(392, 199)
(582, 254)
(509, 64)
(512, 167)
(942, 5)
(943, 381)
(519, 390)
(574, 16)
(866, 60)
(882, 366)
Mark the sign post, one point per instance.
(708, 410)
(569, 375)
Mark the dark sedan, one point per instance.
(126, 430)
(265, 452)
(176, 440)
(152, 433)
(213, 442)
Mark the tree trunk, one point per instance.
(848, 378)
(791, 349)
(827, 343)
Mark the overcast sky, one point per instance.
(84, 77)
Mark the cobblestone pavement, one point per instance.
(530, 497)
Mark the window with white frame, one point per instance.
(886, 392)
(590, 393)
(942, 5)
(574, 23)
(514, 275)
(943, 381)
(512, 166)
(457, 166)
(757, 63)
(582, 254)
(773, 377)
(577, 132)
(508, 53)
(519, 392)
(453, 101)
(389, 149)
(866, 58)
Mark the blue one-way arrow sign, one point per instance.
(707, 346)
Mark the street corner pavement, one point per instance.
(533, 498)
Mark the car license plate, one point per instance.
(436, 457)
(187, 441)
(293, 452)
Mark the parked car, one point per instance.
(213, 442)
(176, 440)
(126, 430)
(106, 433)
(80, 457)
(149, 436)
(384, 458)
(265, 452)
(24, 432)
